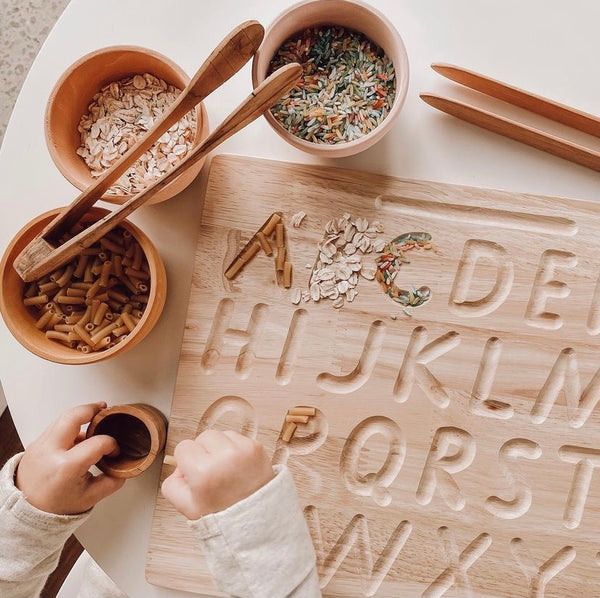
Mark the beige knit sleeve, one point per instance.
(31, 540)
(261, 546)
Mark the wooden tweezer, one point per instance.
(554, 111)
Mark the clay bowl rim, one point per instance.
(66, 355)
(402, 70)
(202, 131)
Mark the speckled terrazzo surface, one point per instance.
(24, 25)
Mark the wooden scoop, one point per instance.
(39, 257)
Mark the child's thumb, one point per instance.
(102, 486)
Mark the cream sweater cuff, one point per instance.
(31, 539)
(14, 501)
(261, 545)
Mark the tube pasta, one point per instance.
(120, 297)
(297, 419)
(114, 305)
(105, 273)
(264, 243)
(48, 287)
(81, 264)
(56, 274)
(102, 296)
(31, 290)
(117, 267)
(132, 273)
(66, 300)
(64, 327)
(83, 335)
(95, 301)
(128, 284)
(44, 320)
(270, 225)
(288, 431)
(59, 336)
(65, 277)
(128, 321)
(287, 275)
(75, 317)
(311, 411)
(38, 300)
(100, 312)
(54, 320)
(137, 257)
(280, 259)
(93, 290)
(87, 275)
(102, 332)
(279, 235)
(112, 246)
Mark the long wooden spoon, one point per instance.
(227, 58)
(40, 257)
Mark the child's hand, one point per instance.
(53, 473)
(215, 471)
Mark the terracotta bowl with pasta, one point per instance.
(99, 305)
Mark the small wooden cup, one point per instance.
(140, 431)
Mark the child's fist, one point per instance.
(215, 471)
(53, 473)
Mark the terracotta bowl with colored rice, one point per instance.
(355, 76)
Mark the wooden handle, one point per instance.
(262, 98)
(588, 123)
(35, 260)
(170, 460)
(517, 131)
(226, 59)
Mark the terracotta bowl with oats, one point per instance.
(103, 103)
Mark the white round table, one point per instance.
(548, 47)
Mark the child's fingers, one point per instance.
(187, 454)
(90, 451)
(101, 486)
(240, 440)
(65, 429)
(180, 495)
(214, 441)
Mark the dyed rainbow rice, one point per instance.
(347, 88)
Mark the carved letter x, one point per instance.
(458, 565)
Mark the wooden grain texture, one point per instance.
(568, 150)
(588, 123)
(445, 457)
(225, 60)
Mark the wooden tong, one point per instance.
(514, 130)
(44, 254)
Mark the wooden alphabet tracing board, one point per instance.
(454, 447)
